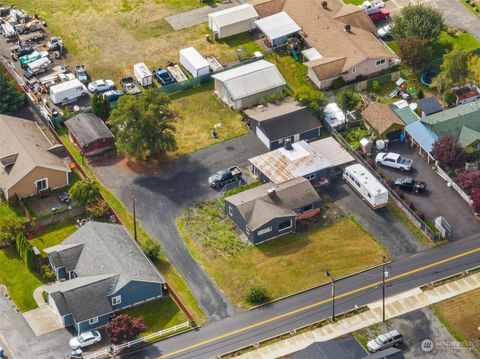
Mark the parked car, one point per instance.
(384, 341)
(372, 6)
(383, 13)
(410, 184)
(384, 32)
(85, 339)
(81, 73)
(394, 160)
(100, 86)
(222, 177)
(113, 95)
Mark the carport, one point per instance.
(421, 138)
(277, 28)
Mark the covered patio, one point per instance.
(422, 138)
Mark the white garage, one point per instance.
(232, 21)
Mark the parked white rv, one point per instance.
(194, 62)
(67, 91)
(142, 74)
(366, 185)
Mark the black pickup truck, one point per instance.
(410, 184)
(222, 177)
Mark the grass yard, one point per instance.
(199, 109)
(10, 211)
(19, 280)
(53, 234)
(284, 265)
(473, 7)
(294, 72)
(462, 323)
(158, 315)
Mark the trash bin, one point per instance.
(402, 137)
(2, 353)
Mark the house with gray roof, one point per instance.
(101, 270)
(270, 210)
(90, 134)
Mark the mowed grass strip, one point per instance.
(283, 265)
(460, 315)
(53, 234)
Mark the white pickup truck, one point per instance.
(394, 160)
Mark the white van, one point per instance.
(67, 92)
(142, 74)
(366, 185)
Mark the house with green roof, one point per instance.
(462, 122)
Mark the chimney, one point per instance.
(348, 28)
(288, 144)
(271, 192)
(325, 4)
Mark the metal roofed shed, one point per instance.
(194, 62)
(277, 27)
(330, 149)
(142, 74)
(246, 85)
(422, 135)
(232, 21)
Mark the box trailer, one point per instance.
(142, 74)
(37, 67)
(67, 91)
(194, 62)
(366, 185)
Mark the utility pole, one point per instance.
(384, 276)
(328, 274)
(134, 220)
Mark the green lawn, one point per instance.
(19, 280)
(470, 7)
(158, 315)
(294, 72)
(10, 211)
(354, 2)
(283, 265)
(53, 234)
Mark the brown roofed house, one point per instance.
(383, 120)
(29, 163)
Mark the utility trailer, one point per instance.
(129, 85)
(177, 73)
(32, 36)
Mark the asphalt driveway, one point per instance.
(162, 196)
(438, 200)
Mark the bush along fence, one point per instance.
(26, 252)
(411, 215)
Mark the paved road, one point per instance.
(162, 197)
(246, 328)
(457, 15)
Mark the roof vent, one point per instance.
(348, 28)
(271, 192)
(325, 4)
(288, 144)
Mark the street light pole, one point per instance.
(134, 220)
(383, 286)
(333, 293)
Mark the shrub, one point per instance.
(47, 273)
(469, 180)
(151, 248)
(376, 87)
(450, 98)
(420, 214)
(390, 183)
(420, 94)
(123, 328)
(338, 83)
(399, 193)
(409, 204)
(85, 192)
(98, 208)
(257, 294)
(313, 99)
(45, 296)
(449, 152)
(10, 228)
(475, 197)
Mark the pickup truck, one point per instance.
(22, 49)
(394, 160)
(410, 184)
(222, 177)
(372, 6)
(381, 14)
(163, 76)
(129, 85)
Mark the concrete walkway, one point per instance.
(395, 306)
(200, 15)
(42, 320)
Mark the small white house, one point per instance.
(194, 62)
(366, 185)
(232, 21)
(142, 74)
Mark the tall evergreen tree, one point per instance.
(10, 97)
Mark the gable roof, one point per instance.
(233, 15)
(327, 67)
(257, 207)
(283, 120)
(381, 117)
(354, 16)
(23, 147)
(247, 80)
(468, 136)
(430, 105)
(87, 128)
(277, 25)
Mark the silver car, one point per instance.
(384, 341)
(101, 86)
(85, 339)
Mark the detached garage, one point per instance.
(383, 121)
(232, 21)
(277, 28)
(194, 62)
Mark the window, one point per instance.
(42, 184)
(380, 62)
(285, 225)
(311, 177)
(116, 300)
(230, 210)
(354, 69)
(263, 231)
(93, 320)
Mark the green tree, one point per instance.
(10, 228)
(314, 99)
(376, 87)
(257, 294)
(420, 94)
(151, 248)
(417, 20)
(10, 97)
(415, 52)
(100, 106)
(85, 192)
(144, 125)
(348, 99)
(450, 98)
(473, 67)
(454, 68)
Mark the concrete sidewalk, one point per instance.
(200, 15)
(395, 306)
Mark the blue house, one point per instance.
(101, 270)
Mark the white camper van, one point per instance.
(68, 91)
(142, 74)
(366, 185)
